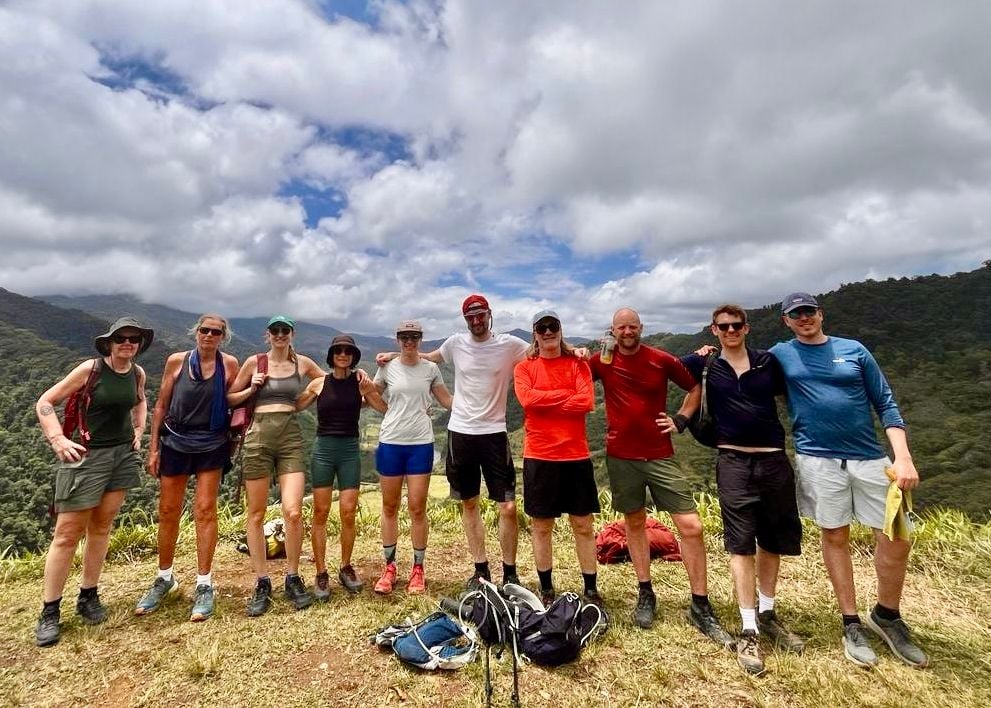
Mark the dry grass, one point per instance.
(322, 657)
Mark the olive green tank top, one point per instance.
(109, 414)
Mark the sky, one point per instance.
(357, 163)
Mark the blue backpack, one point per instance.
(437, 641)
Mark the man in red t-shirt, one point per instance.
(638, 458)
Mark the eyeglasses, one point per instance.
(210, 330)
(120, 339)
(800, 312)
(409, 337)
(280, 331)
(542, 327)
(338, 351)
(726, 326)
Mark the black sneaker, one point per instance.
(646, 609)
(594, 597)
(705, 620)
(262, 598)
(91, 609)
(472, 584)
(47, 632)
(296, 592)
(511, 579)
(547, 596)
(782, 637)
(321, 586)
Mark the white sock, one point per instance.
(764, 603)
(166, 574)
(204, 579)
(749, 617)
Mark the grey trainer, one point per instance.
(202, 603)
(159, 590)
(748, 653)
(897, 636)
(856, 648)
(47, 632)
(772, 628)
(705, 620)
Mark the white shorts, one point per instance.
(832, 492)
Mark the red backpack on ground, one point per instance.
(611, 545)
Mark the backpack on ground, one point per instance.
(611, 545)
(437, 641)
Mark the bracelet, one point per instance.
(680, 422)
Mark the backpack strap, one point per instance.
(261, 363)
(85, 395)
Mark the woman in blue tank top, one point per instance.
(189, 437)
(340, 396)
(274, 445)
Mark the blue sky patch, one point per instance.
(319, 203)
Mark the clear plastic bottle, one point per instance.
(608, 345)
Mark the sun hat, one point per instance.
(102, 343)
(345, 340)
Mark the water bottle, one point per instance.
(608, 345)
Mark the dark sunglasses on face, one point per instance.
(799, 312)
(338, 351)
(210, 330)
(280, 331)
(120, 339)
(408, 337)
(542, 327)
(735, 326)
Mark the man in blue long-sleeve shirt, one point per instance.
(833, 384)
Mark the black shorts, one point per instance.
(554, 488)
(757, 499)
(173, 463)
(469, 457)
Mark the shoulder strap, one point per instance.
(261, 363)
(709, 361)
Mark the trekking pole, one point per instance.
(488, 679)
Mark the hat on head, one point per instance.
(474, 304)
(344, 340)
(797, 300)
(102, 343)
(544, 314)
(409, 326)
(281, 319)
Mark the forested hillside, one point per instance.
(931, 334)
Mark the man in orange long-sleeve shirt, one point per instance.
(555, 389)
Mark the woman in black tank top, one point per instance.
(336, 456)
(189, 437)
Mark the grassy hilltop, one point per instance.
(321, 656)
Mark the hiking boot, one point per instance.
(202, 603)
(321, 587)
(388, 579)
(159, 590)
(772, 628)
(297, 593)
(897, 636)
(349, 579)
(748, 653)
(705, 620)
(47, 632)
(262, 598)
(417, 584)
(594, 597)
(547, 596)
(856, 648)
(511, 579)
(473, 584)
(91, 609)
(646, 609)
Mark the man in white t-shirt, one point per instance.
(477, 443)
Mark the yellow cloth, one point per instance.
(896, 511)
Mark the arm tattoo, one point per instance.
(46, 410)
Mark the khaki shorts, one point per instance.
(81, 485)
(833, 492)
(273, 443)
(629, 481)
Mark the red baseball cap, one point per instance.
(474, 304)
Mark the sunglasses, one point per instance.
(280, 331)
(338, 351)
(120, 339)
(210, 330)
(542, 327)
(735, 326)
(799, 312)
(407, 337)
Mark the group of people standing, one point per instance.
(831, 385)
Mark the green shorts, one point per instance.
(629, 481)
(81, 485)
(273, 443)
(335, 458)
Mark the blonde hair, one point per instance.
(228, 332)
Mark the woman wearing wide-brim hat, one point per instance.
(336, 456)
(92, 478)
(273, 446)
